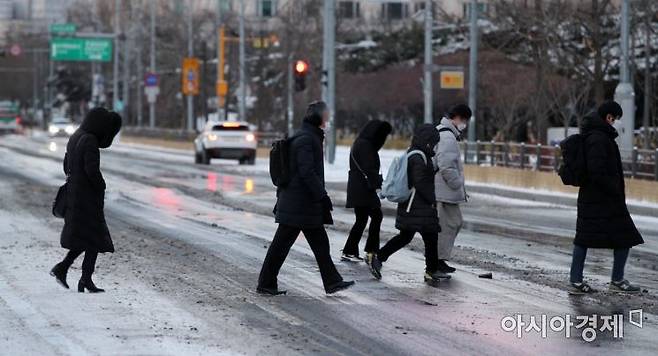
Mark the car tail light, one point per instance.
(250, 137)
(18, 120)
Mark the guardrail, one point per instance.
(265, 139)
(638, 163)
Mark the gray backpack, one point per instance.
(396, 185)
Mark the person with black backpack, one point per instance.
(364, 180)
(297, 169)
(418, 212)
(603, 218)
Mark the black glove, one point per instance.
(327, 204)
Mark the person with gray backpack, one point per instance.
(416, 211)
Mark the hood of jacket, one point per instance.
(425, 139)
(446, 123)
(375, 131)
(592, 122)
(103, 124)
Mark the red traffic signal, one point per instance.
(301, 67)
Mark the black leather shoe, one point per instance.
(270, 291)
(59, 273)
(89, 286)
(340, 286)
(443, 267)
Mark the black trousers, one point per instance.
(404, 238)
(284, 238)
(372, 243)
(88, 264)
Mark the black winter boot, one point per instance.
(87, 283)
(59, 272)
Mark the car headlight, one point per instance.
(212, 137)
(69, 129)
(250, 137)
(53, 129)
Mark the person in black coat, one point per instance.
(603, 218)
(418, 213)
(303, 206)
(85, 229)
(363, 183)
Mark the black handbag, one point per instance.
(371, 185)
(59, 205)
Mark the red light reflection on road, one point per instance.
(166, 198)
(211, 182)
(228, 184)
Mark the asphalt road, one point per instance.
(190, 240)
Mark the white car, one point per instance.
(61, 126)
(226, 139)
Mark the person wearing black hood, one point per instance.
(418, 213)
(85, 229)
(303, 206)
(363, 182)
(603, 218)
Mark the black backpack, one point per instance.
(573, 169)
(280, 162)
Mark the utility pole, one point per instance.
(242, 106)
(152, 62)
(647, 76)
(219, 30)
(290, 101)
(427, 82)
(140, 68)
(624, 93)
(115, 69)
(473, 71)
(190, 54)
(328, 71)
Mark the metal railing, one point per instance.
(638, 163)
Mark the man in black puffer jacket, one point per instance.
(603, 218)
(418, 213)
(303, 206)
(363, 182)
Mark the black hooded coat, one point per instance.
(364, 178)
(603, 218)
(84, 222)
(422, 216)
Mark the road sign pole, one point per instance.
(152, 61)
(290, 101)
(473, 71)
(328, 62)
(624, 93)
(115, 67)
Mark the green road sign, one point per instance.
(81, 49)
(62, 28)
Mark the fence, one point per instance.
(638, 163)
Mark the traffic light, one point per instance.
(301, 70)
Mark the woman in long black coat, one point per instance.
(362, 185)
(418, 213)
(85, 229)
(603, 218)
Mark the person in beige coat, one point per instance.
(449, 181)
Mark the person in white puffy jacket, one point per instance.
(449, 181)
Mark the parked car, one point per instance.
(61, 126)
(226, 139)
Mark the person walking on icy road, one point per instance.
(449, 181)
(603, 218)
(418, 213)
(303, 206)
(85, 229)
(363, 183)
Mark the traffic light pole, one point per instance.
(624, 93)
(115, 67)
(152, 62)
(329, 66)
(473, 72)
(190, 54)
(242, 107)
(427, 82)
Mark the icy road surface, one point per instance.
(190, 240)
